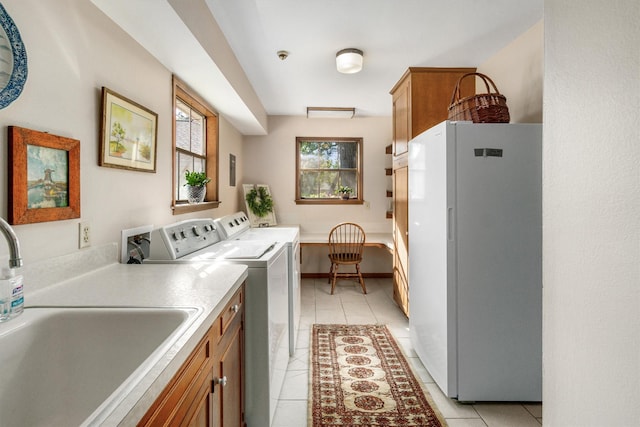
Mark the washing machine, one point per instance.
(266, 302)
(237, 227)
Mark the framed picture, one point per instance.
(254, 196)
(44, 177)
(128, 134)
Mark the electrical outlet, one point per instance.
(85, 235)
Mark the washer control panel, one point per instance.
(233, 224)
(176, 240)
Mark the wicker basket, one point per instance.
(481, 108)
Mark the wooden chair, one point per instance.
(346, 244)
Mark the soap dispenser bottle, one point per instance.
(17, 292)
(6, 289)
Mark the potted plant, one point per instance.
(196, 186)
(345, 192)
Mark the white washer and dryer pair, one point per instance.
(237, 227)
(266, 302)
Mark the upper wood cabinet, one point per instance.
(421, 100)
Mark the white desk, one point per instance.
(378, 240)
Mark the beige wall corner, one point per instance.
(517, 70)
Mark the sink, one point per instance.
(73, 366)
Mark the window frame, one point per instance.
(358, 200)
(189, 97)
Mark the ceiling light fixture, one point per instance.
(349, 61)
(330, 113)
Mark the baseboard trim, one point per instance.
(365, 275)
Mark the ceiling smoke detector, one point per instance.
(283, 54)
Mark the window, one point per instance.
(195, 147)
(324, 165)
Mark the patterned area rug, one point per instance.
(359, 377)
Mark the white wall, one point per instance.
(73, 50)
(271, 160)
(591, 213)
(517, 70)
(230, 143)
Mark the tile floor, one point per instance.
(348, 305)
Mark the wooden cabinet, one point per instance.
(388, 150)
(401, 237)
(421, 100)
(208, 388)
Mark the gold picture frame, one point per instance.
(44, 177)
(128, 135)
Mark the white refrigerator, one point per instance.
(475, 267)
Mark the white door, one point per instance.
(432, 321)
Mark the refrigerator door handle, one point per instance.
(450, 224)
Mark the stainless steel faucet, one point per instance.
(15, 260)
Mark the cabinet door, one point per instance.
(201, 415)
(401, 119)
(431, 93)
(401, 238)
(229, 398)
(228, 373)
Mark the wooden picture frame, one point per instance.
(128, 134)
(44, 177)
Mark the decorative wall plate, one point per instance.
(13, 60)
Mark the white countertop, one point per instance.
(207, 286)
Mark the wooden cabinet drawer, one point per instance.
(231, 311)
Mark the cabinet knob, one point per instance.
(222, 381)
(235, 308)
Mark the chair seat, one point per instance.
(345, 258)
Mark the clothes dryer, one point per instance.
(237, 227)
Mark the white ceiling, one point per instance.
(394, 35)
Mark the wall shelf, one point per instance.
(388, 150)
